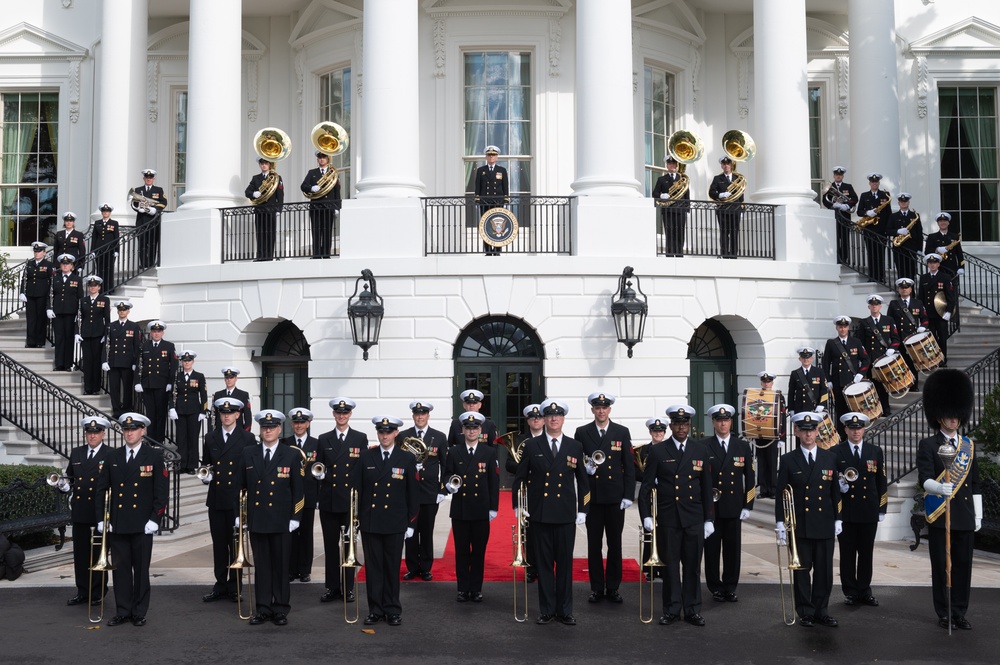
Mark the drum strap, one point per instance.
(909, 317)
(809, 390)
(878, 333)
(847, 359)
(934, 505)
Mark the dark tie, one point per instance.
(420, 433)
(155, 344)
(555, 448)
(812, 462)
(602, 433)
(472, 451)
(298, 442)
(857, 455)
(681, 449)
(844, 342)
(131, 455)
(187, 377)
(725, 447)
(385, 455)
(267, 456)
(91, 455)
(952, 441)
(229, 393)
(225, 438)
(341, 437)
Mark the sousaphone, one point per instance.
(330, 139)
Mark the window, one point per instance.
(179, 175)
(968, 117)
(335, 106)
(498, 112)
(658, 120)
(819, 183)
(29, 202)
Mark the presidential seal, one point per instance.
(498, 227)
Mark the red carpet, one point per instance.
(500, 552)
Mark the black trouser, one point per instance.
(812, 595)
(104, 266)
(272, 592)
(883, 394)
(186, 433)
(906, 262)
(840, 404)
(674, 221)
(605, 519)
(131, 554)
(727, 542)
(266, 225)
(483, 207)
(301, 560)
(843, 238)
(961, 570)
(64, 331)
(37, 321)
(554, 565)
(90, 358)
(149, 240)
(220, 525)
(767, 466)
(471, 537)
(332, 523)
(383, 552)
(321, 221)
(857, 545)
(875, 247)
(84, 556)
(683, 546)
(729, 218)
(121, 387)
(155, 402)
(420, 548)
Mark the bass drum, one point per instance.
(861, 397)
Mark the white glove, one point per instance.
(829, 384)
(858, 378)
(920, 254)
(526, 513)
(838, 527)
(820, 409)
(947, 316)
(932, 486)
(844, 485)
(493, 515)
(744, 515)
(881, 517)
(63, 484)
(664, 196)
(441, 497)
(921, 329)
(49, 313)
(782, 534)
(172, 414)
(292, 525)
(106, 367)
(321, 476)
(625, 504)
(781, 447)
(207, 479)
(170, 387)
(138, 387)
(647, 524)
(420, 467)
(581, 518)
(116, 255)
(23, 298)
(591, 468)
(133, 368)
(256, 195)
(100, 527)
(151, 528)
(961, 271)
(977, 503)
(902, 232)
(314, 188)
(723, 195)
(409, 533)
(841, 206)
(451, 488)
(890, 352)
(870, 213)
(709, 529)
(201, 417)
(941, 249)
(78, 338)
(237, 523)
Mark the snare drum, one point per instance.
(861, 397)
(924, 351)
(893, 374)
(760, 413)
(826, 435)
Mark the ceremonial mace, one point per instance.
(946, 453)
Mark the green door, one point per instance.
(712, 354)
(286, 385)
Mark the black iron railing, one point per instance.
(451, 225)
(750, 227)
(250, 233)
(52, 416)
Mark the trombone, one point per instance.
(791, 558)
(103, 563)
(654, 558)
(241, 538)
(348, 553)
(519, 535)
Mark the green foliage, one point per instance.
(988, 469)
(987, 432)
(30, 498)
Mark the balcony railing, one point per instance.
(697, 228)
(451, 225)
(250, 233)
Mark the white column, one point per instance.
(781, 106)
(121, 106)
(873, 103)
(390, 93)
(605, 140)
(215, 102)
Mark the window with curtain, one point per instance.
(498, 112)
(658, 120)
(820, 182)
(29, 202)
(179, 175)
(335, 106)
(968, 131)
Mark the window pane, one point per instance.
(335, 106)
(658, 119)
(474, 63)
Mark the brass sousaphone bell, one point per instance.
(686, 148)
(273, 145)
(330, 139)
(739, 147)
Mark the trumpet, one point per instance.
(850, 474)
(597, 459)
(716, 494)
(654, 558)
(455, 482)
(898, 240)
(241, 543)
(791, 558)
(318, 470)
(519, 538)
(417, 448)
(53, 479)
(349, 553)
(203, 472)
(103, 563)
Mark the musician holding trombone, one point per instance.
(301, 559)
(85, 465)
(810, 477)
(472, 477)
(863, 489)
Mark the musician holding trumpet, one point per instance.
(841, 198)
(148, 201)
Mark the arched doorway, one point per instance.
(712, 354)
(285, 370)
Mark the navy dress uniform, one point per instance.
(673, 209)
(272, 476)
(807, 385)
(474, 505)
(246, 415)
(767, 450)
(138, 479)
(734, 483)
(82, 474)
(946, 244)
(933, 282)
(266, 213)
(680, 471)
(728, 212)
(906, 223)
(876, 234)
(154, 374)
(810, 473)
(149, 238)
(301, 559)
(64, 307)
(222, 452)
(910, 317)
(865, 501)
(36, 281)
(842, 210)
(95, 316)
(104, 234)
(845, 362)
(470, 398)
(612, 487)
(559, 497)
(492, 188)
(419, 550)
(880, 337)
(123, 341)
(388, 500)
(323, 210)
(70, 241)
(536, 427)
(189, 408)
(340, 451)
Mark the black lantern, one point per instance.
(365, 311)
(629, 311)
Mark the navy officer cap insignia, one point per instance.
(532, 411)
(300, 415)
(656, 425)
(471, 419)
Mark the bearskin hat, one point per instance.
(948, 393)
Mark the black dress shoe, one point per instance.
(279, 619)
(305, 578)
(827, 621)
(234, 597)
(944, 623)
(568, 620)
(426, 577)
(462, 597)
(850, 600)
(531, 576)
(806, 622)
(138, 622)
(695, 619)
(476, 597)
(870, 601)
(544, 619)
(215, 595)
(118, 619)
(668, 619)
(394, 620)
(719, 597)
(258, 619)
(372, 619)
(350, 597)
(962, 623)
(95, 602)
(77, 599)
(595, 597)
(292, 578)
(329, 596)
(614, 596)
(731, 598)
(408, 575)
